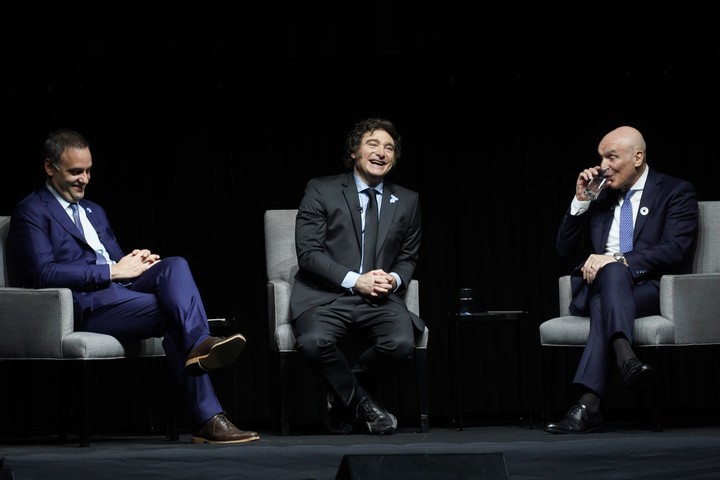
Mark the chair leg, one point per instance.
(173, 432)
(285, 392)
(651, 396)
(85, 404)
(547, 354)
(422, 387)
(171, 407)
(657, 404)
(67, 402)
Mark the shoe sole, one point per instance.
(220, 355)
(385, 431)
(199, 440)
(570, 432)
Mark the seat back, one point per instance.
(280, 256)
(707, 252)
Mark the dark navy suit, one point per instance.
(663, 243)
(49, 251)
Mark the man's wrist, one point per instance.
(620, 258)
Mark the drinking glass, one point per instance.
(596, 185)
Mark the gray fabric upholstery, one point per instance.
(689, 304)
(38, 323)
(281, 266)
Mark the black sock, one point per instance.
(591, 400)
(360, 395)
(622, 350)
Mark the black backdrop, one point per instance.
(200, 119)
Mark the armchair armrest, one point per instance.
(565, 295)
(691, 302)
(34, 322)
(279, 327)
(412, 297)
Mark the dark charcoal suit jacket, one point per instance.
(328, 238)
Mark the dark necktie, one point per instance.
(626, 223)
(370, 231)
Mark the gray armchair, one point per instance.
(37, 325)
(689, 305)
(281, 266)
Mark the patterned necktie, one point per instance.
(626, 223)
(101, 260)
(370, 231)
(76, 218)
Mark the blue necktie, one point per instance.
(76, 218)
(626, 223)
(370, 232)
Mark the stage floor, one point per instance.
(621, 452)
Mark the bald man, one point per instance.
(620, 278)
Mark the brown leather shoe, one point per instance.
(221, 430)
(214, 352)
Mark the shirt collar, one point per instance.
(640, 184)
(64, 203)
(362, 185)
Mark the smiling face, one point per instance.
(375, 156)
(71, 174)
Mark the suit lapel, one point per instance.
(353, 202)
(59, 214)
(387, 213)
(649, 194)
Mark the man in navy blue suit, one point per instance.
(616, 282)
(129, 296)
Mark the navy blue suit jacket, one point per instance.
(47, 250)
(663, 239)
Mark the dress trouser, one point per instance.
(387, 325)
(613, 304)
(163, 302)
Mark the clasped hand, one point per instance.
(133, 264)
(375, 284)
(593, 264)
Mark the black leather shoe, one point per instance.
(636, 374)
(337, 417)
(578, 420)
(378, 420)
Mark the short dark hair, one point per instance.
(352, 144)
(56, 143)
